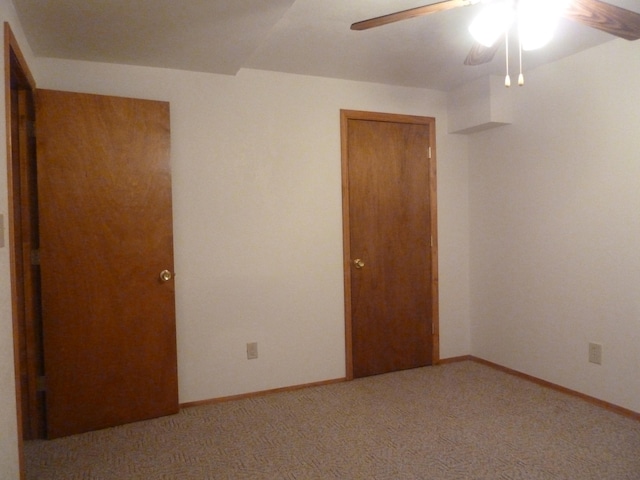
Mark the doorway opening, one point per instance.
(24, 243)
(24, 238)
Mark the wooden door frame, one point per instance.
(345, 116)
(27, 82)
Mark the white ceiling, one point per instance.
(309, 37)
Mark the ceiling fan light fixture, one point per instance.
(538, 20)
(535, 33)
(492, 22)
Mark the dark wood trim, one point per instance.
(595, 401)
(261, 393)
(445, 361)
(10, 43)
(345, 116)
(346, 243)
(463, 358)
(11, 48)
(433, 204)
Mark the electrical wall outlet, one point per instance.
(252, 350)
(595, 353)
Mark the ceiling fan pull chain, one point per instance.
(507, 79)
(521, 76)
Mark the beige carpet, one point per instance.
(456, 421)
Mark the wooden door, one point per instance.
(389, 217)
(104, 186)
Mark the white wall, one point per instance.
(555, 226)
(257, 217)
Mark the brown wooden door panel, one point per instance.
(106, 234)
(389, 223)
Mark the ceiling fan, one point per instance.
(500, 14)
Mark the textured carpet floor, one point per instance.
(456, 421)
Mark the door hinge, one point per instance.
(429, 153)
(35, 257)
(41, 384)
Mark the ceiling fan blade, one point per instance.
(480, 54)
(411, 13)
(606, 17)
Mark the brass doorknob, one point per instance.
(358, 263)
(165, 276)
